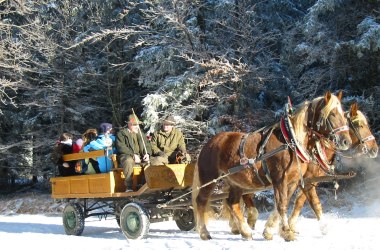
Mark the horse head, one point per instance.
(363, 141)
(327, 119)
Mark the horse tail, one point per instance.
(195, 190)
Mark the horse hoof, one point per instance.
(247, 236)
(205, 237)
(294, 230)
(268, 236)
(235, 231)
(288, 235)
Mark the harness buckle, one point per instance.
(244, 161)
(251, 161)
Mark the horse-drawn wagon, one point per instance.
(161, 193)
(104, 195)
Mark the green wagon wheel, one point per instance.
(134, 221)
(73, 219)
(184, 219)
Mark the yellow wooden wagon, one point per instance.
(104, 194)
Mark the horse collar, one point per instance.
(290, 138)
(320, 156)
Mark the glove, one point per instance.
(146, 157)
(136, 158)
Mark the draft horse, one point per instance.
(283, 150)
(323, 153)
(363, 144)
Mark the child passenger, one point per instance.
(64, 146)
(105, 140)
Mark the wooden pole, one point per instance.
(142, 138)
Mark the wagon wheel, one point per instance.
(118, 206)
(184, 219)
(73, 219)
(134, 221)
(118, 220)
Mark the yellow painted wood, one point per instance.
(169, 176)
(112, 184)
(83, 155)
(90, 186)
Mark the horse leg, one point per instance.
(252, 213)
(233, 226)
(274, 218)
(282, 200)
(314, 202)
(271, 225)
(298, 204)
(200, 199)
(233, 205)
(316, 205)
(201, 210)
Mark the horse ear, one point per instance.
(340, 94)
(327, 96)
(354, 109)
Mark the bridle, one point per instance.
(362, 141)
(333, 132)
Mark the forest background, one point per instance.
(227, 65)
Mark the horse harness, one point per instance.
(288, 133)
(318, 153)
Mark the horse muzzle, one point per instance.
(343, 142)
(373, 152)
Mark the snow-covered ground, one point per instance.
(32, 220)
(347, 231)
(351, 222)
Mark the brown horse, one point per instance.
(363, 144)
(228, 152)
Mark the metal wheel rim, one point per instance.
(70, 220)
(132, 223)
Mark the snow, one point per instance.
(350, 222)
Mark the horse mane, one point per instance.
(334, 102)
(360, 119)
(299, 122)
(299, 118)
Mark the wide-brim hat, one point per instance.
(133, 119)
(169, 120)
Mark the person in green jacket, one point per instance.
(168, 144)
(132, 148)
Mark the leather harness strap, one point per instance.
(250, 163)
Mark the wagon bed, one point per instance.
(104, 195)
(111, 184)
(161, 193)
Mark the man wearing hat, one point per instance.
(132, 148)
(168, 143)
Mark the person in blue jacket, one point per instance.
(105, 140)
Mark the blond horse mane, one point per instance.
(360, 119)
(299, 122)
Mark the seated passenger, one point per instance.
(77, 146)
(103, 141)
(168, 144)
(88, 165)
(132, 148)
(64, 146)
